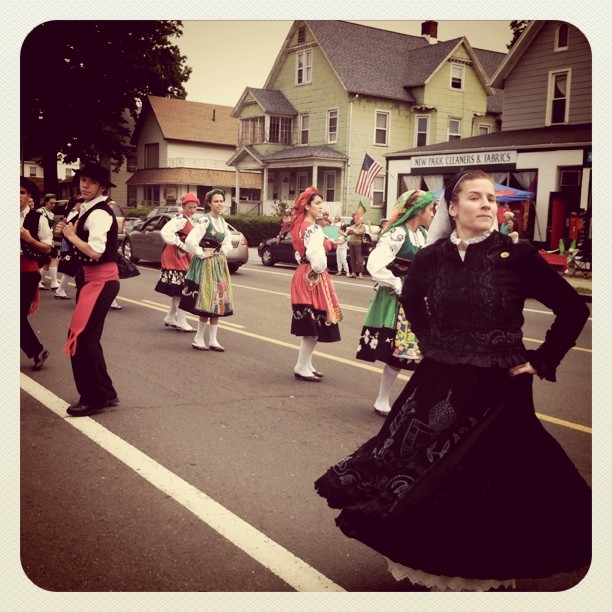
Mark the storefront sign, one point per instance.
(480, 158)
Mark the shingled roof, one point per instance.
(192, 121)
(194, 176)
(272, 101)
(319, 152)
(381, 63)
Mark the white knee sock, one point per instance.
(174, 302)
(199, 337)
(63, 284)
(53, 273)
(307, 346)
(212, 335)
(386, 382)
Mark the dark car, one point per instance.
(275, 251)
(145, 242)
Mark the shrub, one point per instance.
(255, 228)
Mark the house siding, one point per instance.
(151, 133)
(526, 88)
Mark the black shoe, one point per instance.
(39, 361)
(307, 378)
(79, 409)
(113, 401)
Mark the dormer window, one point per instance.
(457, 76)
(562, 37)
(303, 67)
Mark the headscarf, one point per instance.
(299, 212)
(441, 226)
(409, 204)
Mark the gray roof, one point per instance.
(382, 63)
(322, 151)
(272, 101)
(554, 136)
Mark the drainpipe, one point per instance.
(348, 154)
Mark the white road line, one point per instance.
(284, 564)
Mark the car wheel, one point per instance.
(266, 257)
(127, 251)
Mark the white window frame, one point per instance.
(303, 67)
(483, 128)
(558, 47)
(455, 135)
(461, 78)
(304, 133)
(32, 171)
(550, 97)
(386, 129)
(327, 178)
(302, 182)
(378, 192)
(417, 118)
(332, 137)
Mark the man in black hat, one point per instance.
(36, 243)
(94, 241)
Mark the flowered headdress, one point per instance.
(410, 204)
(299, 212)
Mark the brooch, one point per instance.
(505, 254)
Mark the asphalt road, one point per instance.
(202, 478)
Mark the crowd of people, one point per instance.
(451, 487)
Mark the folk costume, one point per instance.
(453, 488)
(386, 334)
(175, 261)
(97, 226)
(208, 289)
(315, 306)
(30, 261)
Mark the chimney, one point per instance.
(429, 29)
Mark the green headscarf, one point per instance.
(409, 204)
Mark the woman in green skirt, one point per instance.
(386, 335)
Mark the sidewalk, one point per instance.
(583, 285)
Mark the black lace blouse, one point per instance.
(471, 310)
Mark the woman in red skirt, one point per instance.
(316, 312)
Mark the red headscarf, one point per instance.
(298, 214)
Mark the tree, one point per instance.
(517, 28)
(81, 81)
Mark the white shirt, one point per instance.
(196, 234)
(97, 224)
(314, 241)
(169, 231)
(45, 235)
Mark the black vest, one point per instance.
(29, 251)
(112, 242)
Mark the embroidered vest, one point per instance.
(29, 252)
(112, 241)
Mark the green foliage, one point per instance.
(83, 82)
(255, 228)
(517, 28)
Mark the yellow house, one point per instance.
(338, 91)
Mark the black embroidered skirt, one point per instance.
(463, 480)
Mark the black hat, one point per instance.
(30, 187)
(96, 172)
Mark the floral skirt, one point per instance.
(208, 289)
(464, 481)
(171, 282)
(386, 334)
(315, 307)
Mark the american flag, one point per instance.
(369, 169)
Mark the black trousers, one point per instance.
(88, 365)
(29, 342)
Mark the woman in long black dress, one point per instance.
(463, 488)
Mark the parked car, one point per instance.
(168, 209)
(130, 222)
(275, 251)
(145, 241)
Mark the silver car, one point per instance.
(145, 242)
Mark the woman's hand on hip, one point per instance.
(523, 368)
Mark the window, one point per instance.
(558, 96)
(301, 34)
(252, 130)
(304, 121)
(483, 129)
(302, 182)
(332, 126)
(330, 186)
(32, 170)
(381, 133)
(454, 129)
(280, 130)
(151, 152)
(562, 37)
(378, 191)
(151, 194)
(457, 75)
(421, 136)
(303, 67)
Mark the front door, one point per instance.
(285, 186)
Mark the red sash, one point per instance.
(95, 278)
